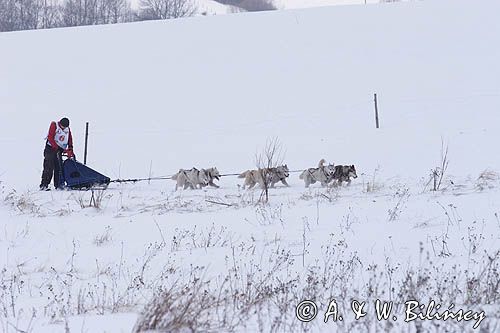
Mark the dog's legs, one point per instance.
(250, 183)
(211, 183)
(285, 183)
(310, 180)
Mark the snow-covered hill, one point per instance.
(209, 91)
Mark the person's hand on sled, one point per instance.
(69, 153)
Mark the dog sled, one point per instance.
(77, 176)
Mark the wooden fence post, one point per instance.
(86, 143)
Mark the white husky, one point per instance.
(191, 178)
(195, 178)
(322, 174)
(273, 175)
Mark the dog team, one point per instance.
(326, 175)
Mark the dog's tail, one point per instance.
(243, 174)
(303, 174)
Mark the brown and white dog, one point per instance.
(273, 175)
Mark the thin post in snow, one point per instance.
(86, 143)
(376, 111)
(150, 169)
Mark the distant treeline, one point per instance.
(44, 14)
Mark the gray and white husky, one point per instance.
(273, 175)
(343, 173)
(191, 178)
(212, 174)
(322, 174)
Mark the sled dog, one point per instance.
(191, 178)
(211, 173)
(343, 173)
(322, 174)
(273, 175)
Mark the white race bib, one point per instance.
(62, 136)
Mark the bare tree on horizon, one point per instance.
(165, 9)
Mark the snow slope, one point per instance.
(209, 91)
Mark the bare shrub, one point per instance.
(220, 304)
(401, 196)
(96, 199)
(183, 306)
(452, 214)
(438, 173)
(488, 179)
(269, 158)
(104, 238)
(24, 203)
(372, 184)
(204, 238)
(245, 198)
(267, 214)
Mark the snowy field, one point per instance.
(210, 91)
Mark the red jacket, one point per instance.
(52, 134)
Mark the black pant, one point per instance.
(52, 163)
